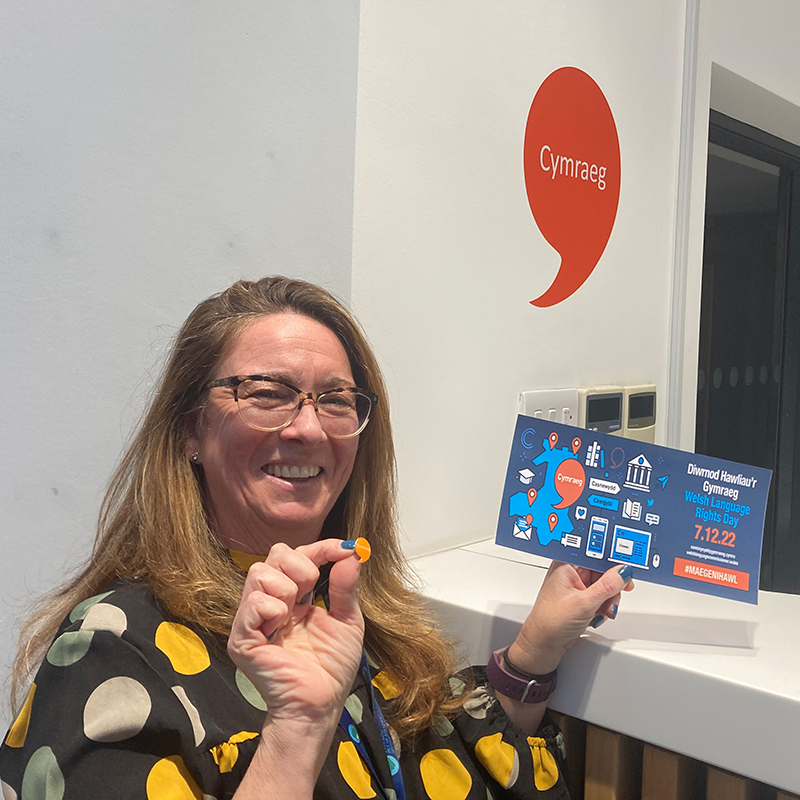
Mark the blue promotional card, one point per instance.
(596, 500)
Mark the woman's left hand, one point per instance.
(571, 598)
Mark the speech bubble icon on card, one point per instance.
(570, 480)
(572, 175)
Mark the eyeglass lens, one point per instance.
(268, 405)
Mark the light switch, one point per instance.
(557, 405)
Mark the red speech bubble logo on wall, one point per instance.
(572, 175)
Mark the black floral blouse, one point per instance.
(132, 703)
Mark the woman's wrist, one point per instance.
(287, 761)
(508, 665)
(531, 658)
(515, 684)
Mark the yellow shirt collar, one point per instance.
(245, 560)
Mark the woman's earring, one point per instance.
(195, 457)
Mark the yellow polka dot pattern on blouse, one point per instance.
(545, 769)
(19, 730)
(500, 759)
(183, 647)
(354, 771)
(227, 754)
(129, 697)
(170, 780)
(386, 686)
(444, 776)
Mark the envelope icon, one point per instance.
(522, 534)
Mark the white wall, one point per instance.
(446, 255)
(150, 153)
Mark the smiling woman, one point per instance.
(231, 637)
(254, 489)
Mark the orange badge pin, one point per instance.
(363, 549)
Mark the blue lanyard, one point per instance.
(349, 726)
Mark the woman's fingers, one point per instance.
(294, 564)
(607, 590)
(326, 550)
(300, 565)
(289, 575)
(610, 608)
(343, 591)
(608, 584)
(259, 616)
(272, 581)
(572, 598)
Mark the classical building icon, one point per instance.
(639, 473)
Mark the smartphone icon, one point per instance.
(596, 541)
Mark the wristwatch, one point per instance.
(517, 684)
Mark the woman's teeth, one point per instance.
(284, 471)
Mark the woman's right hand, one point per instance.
(300, 657)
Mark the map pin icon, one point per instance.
(553, 520)
(531, 496)
(529, 519)
(553, 437)
(576, 445)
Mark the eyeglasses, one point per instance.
(269, 404)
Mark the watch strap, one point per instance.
(519, 688)
(504, 659)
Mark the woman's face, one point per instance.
(251, 508)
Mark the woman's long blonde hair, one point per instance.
(153, 526)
